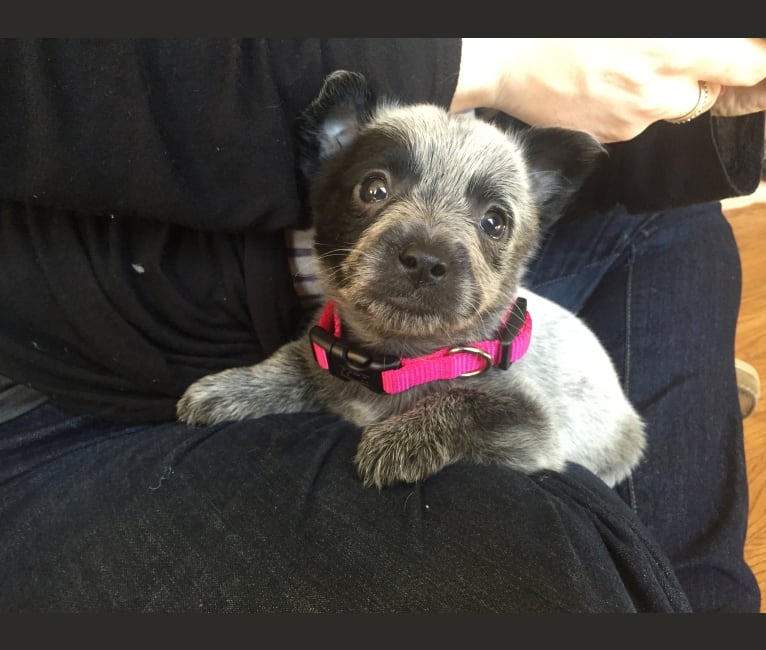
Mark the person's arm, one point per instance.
(195, 132)
(622, 91)
(668, 165)
(612, 88)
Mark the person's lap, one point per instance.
(666, 310)
(268, 515)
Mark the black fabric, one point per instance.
(16, 399)
(144, 186)
(268, 516)
(194, 132)
(678, 165)
(120, 315)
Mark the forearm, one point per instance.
(622, 92)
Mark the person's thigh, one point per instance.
(268, 516)
(662, 292)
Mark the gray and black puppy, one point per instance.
(424, 221)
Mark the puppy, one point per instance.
(424, 221)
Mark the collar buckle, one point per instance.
(348, 363)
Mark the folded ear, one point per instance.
(560, 161)
(344, 103)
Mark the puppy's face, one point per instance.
(424, 219)
(423, 222)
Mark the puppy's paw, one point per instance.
(215, 398)
(389, 453)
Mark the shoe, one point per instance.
(749, 385)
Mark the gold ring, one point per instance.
(699, 108)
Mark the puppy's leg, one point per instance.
(512, 429)
(278, 384)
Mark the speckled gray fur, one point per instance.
(411, 270)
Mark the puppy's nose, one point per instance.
(422, 265)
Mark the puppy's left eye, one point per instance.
(374, 189)
(494, 223)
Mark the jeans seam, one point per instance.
(559, 278)
(625, 241)
(633, 502)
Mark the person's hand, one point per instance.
(740, 100)
(611, 88)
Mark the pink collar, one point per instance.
(394, 375)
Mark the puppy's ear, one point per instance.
(560, 161)
(344, 103)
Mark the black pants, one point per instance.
(268, 515)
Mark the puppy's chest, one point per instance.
(363, 407)
(359, 405)
(363, 412)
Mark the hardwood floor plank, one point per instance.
(749, 226)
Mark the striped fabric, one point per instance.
(302, 260)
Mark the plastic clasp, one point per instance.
(349, 364)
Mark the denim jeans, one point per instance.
(662, 292)
(268, 515)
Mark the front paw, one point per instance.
(214, 398)
(391, 453)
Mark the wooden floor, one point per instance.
(748, 220)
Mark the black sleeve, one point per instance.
(193, 132)
(673, 165)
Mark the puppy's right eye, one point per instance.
(494, 223)
(374, 189)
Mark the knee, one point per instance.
(698, 241)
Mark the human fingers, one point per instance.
(725, 61)
(610, 88)
(739, 100)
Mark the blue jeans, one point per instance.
(662, 291)
(268, 515)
